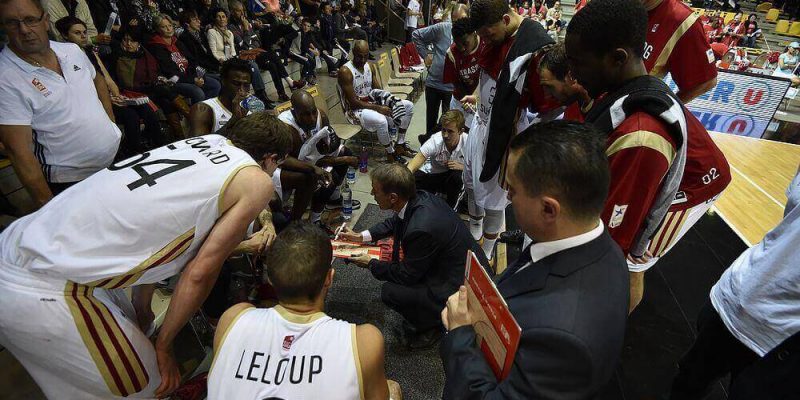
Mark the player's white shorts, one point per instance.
(675, 225)
(468, 114)
(374, 121)
(76, 342)
(488, 195)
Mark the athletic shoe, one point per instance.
(404, 150)
(515, 237)
(337, 204)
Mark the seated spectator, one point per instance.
(554, 23)
(175, 67)
(137, 71)
(557, 81)
(309, 8)
(329, 355)
(211, 115)
(433, 241)
(787, 64)
(307, 57)
(193, 44)
(751, 32)
(345, 30)
(138, 121)
(58, 9)
(144, 13)
(733, 31)
(568, 291)
(311, 47)
(222, 44)
(204, 10)
(356, 80)
(75, 135)
(439, 164)
(321, 148)
(278, 32)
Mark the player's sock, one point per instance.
(488, 246)
(389, 148)
(401, 136)
(315, 216)
(476, 228)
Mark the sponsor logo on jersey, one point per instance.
(76, 68)
(617, 215)
(655, 28)
(287, 342)
(40, 87)
(710, 56)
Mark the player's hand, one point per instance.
(361, 260)
(170, 375)
(102, 38)
(254, 244)
(455, 165)
(644, 259)
(323, 176)
(199, 82)
(351, 161)
(385, 110)
(238, 110)
(118, 101)
(456, 313)
(348, 235)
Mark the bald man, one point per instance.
(437, 92)
(308, 121)
(356, 80)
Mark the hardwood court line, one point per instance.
(732, 226)
(747, 178)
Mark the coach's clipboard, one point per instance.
(342, 249)
(497, 330)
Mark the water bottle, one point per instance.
(363, 160)
(351, 176)
(253, 104)
(347, 202)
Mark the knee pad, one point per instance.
(494, 221)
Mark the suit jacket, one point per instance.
(572, 307)
(434, 242)
(772, 377)
(197, 51)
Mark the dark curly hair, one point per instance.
(462, 27)
(487, 12)
(260, 134)
(605, 25)
(234, 64)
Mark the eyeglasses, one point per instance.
(30, 22)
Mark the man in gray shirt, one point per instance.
(437, 93)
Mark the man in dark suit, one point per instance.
(434, 243)
(568, 290)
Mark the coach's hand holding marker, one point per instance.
(348, 235)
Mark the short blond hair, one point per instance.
(453, 116)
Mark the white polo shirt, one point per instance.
(411, 20)
(437, 155)
(72, 134)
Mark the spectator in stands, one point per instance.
(327, 26)
(309, 9)
(413, 12)
(567, 290)
(137, 71)
(204, 10)
(750, 312)
(58, 9)
(434, 243)
(345, 30)
(311, 48)
(554, 23)
(222, 44)
(137, 120)
(734, 31)
(175, 67)
(439, 164)
(541, 9)
(437, 93)
(549, 16)
(343, 358)
(145, 12)
(51, 89)
(192, 43)
(306, 57)
(277, 33)
(751, 32)
(787, 64)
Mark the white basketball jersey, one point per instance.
(362, 82)
(288, 118)
(221, 114)
(138, 221)
(309, 152)
(486, 96)
(275, 354)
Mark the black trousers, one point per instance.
(449, 182)
(415, 304)
(435, 100)
(129, 117)
(269, 60)
(714, 354)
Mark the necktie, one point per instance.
(523, 260)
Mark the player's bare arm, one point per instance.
(17, 140)
(371, 354)
(688, 95)
(201, 118)
(247, 194)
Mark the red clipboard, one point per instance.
(497, 330)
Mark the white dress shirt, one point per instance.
(540, 250)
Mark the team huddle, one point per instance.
(627, 176)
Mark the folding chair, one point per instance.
(772, 15)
